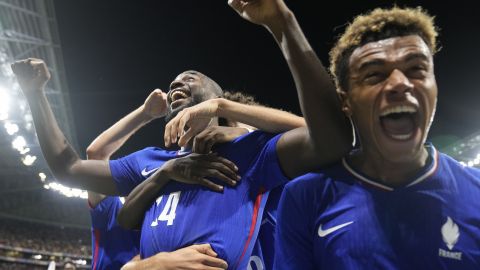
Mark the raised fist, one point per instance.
(32, 74)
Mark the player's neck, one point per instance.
(393, 174)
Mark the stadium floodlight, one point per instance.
(19, 143)
(28, 117)
(66, 191)
(81, 262)
(25, 150)
(37, 257)
(28, 160)
(11, 128)
(4, 103)
(42, 176)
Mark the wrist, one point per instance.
(34, 92)
(144, 115)
(165, 171)
(221, 106)
(279, 24)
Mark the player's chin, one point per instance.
(172, 113)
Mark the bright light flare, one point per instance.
(4, 103)
(42, 176)
(28, 160)
(11, 128)
(66, 191)
(19, 143)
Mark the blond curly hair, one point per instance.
(377, 25)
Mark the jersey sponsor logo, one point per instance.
(450, 235)
(323, 233)
(147, 173)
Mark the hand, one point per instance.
(261, 12)
(195, 257)
(196, 118)
(194, 168)
(155, 105)
(32, 74)
(204, 141)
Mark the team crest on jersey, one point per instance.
(450, 235)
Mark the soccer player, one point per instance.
(114, 246)
(396, 203)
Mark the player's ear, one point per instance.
(345, 102)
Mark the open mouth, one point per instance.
(399, 122)
(177, 97)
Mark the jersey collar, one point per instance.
(426, 172)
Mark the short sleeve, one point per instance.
(266, 171)
(126, 172)
(103, 212)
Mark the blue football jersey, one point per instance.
(340, 219)
(263, 253)
(186, 214)
(112, 246)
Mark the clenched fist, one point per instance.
(32, 74)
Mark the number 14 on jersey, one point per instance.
(168, 212)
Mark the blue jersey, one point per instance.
(112, 246)
(186, 214)
(263, 252)
(340, 219)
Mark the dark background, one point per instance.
(116, 52)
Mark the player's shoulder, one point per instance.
(157, 152)
(247, 145)
(255, 137)
(450, 166)
(319, 181)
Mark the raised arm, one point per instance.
(107, 143)
(113, 138)
(64, 162)
(329, 134)
(197, 117)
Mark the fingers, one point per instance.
(210, 185)
(203, 142)
(222, 169)
(175, 127)
(213, 263)
(23, 68)
(235, 4)
(170, 130)
(205, 249)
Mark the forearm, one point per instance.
(58, 153)
(62, 159)
(154, 262)
(136, 204)
(264, 118)
(114, 137)
(316, 91)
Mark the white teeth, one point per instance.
(399, 109)
(401, 136)
(178, 94)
